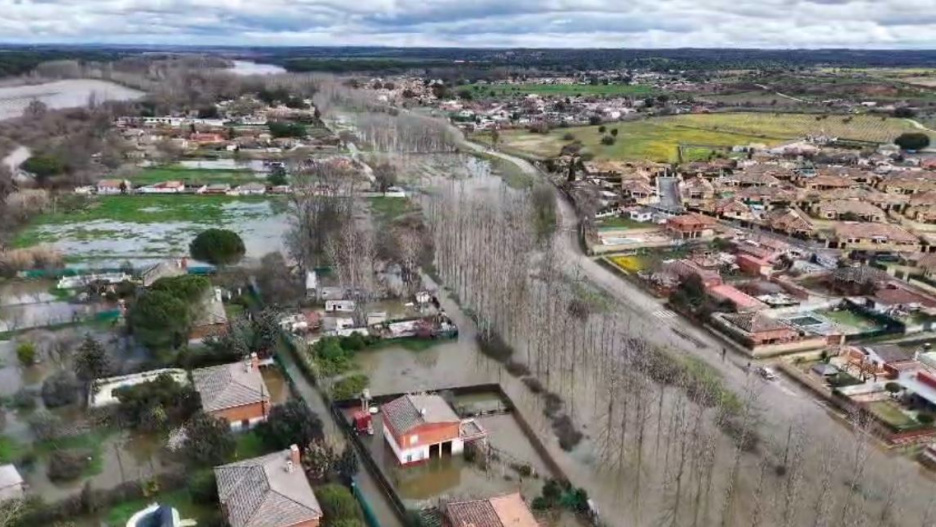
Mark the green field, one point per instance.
(658, 138)
(148, 176)
(565, 90)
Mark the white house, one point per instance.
(112, 186)
(339, 306)
(166, 187)
(250, 189)
(641, 215)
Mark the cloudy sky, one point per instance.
(478, 23)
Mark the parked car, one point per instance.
(767, 373)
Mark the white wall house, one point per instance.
(339, 306)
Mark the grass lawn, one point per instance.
(889, 412)
(512, 174)
(180, 499)
(11, 450)
(148, 176)
(620, 223)
(850, 319)
(658, 138)
(564, 90)
(233, 310)
(388, 209)
(249, 445)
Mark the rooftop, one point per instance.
(230, 385)
(503, 511)
(266, 491)
(410, 411)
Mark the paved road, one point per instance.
(650, 318)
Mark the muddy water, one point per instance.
(28, 304)
(257, 223)
(276, 383)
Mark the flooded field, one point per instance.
(62, 94)
(249, 67)
(157, 226)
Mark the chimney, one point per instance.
(294, 454)
(289, 465)
(254, 361)
(247, 363)
(422, 412)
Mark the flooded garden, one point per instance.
(118, 227)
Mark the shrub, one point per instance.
(607, 140)
(925, 418)
(568, 137)
(60, 389)
(24, 400)
(203, 487)
(893, 387)
(26, 353)
(217, 247)
(45, 425)
(291, 423)
(602, 129)
(912, 141)
(614, 132)
(350, 387)
(68, 465)
(40, 257)
(337, 504)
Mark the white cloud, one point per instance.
(478, 23)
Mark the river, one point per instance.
(249, 67)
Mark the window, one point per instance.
(409, 458)
(245, 423)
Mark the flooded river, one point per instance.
(249, 67)
(62, 94)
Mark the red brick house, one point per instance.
(421, 427)
(689, 226)
(759, 329)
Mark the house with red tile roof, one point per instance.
(502, 511)
(690, 226)
(268, 491)
(234, 392)
(423, 426)
(873, 237)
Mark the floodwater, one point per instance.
(28, 304)
(451, 476)
(257, 223)
(62, 94)
(249, 67)
(275, 382)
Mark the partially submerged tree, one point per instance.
(217, 247)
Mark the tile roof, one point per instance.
(264, 492)
(229, 385)
(865, 231)
(409, 411)
(502, 511)
(754, 322)
(845, 206)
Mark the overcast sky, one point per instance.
(478, 23)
